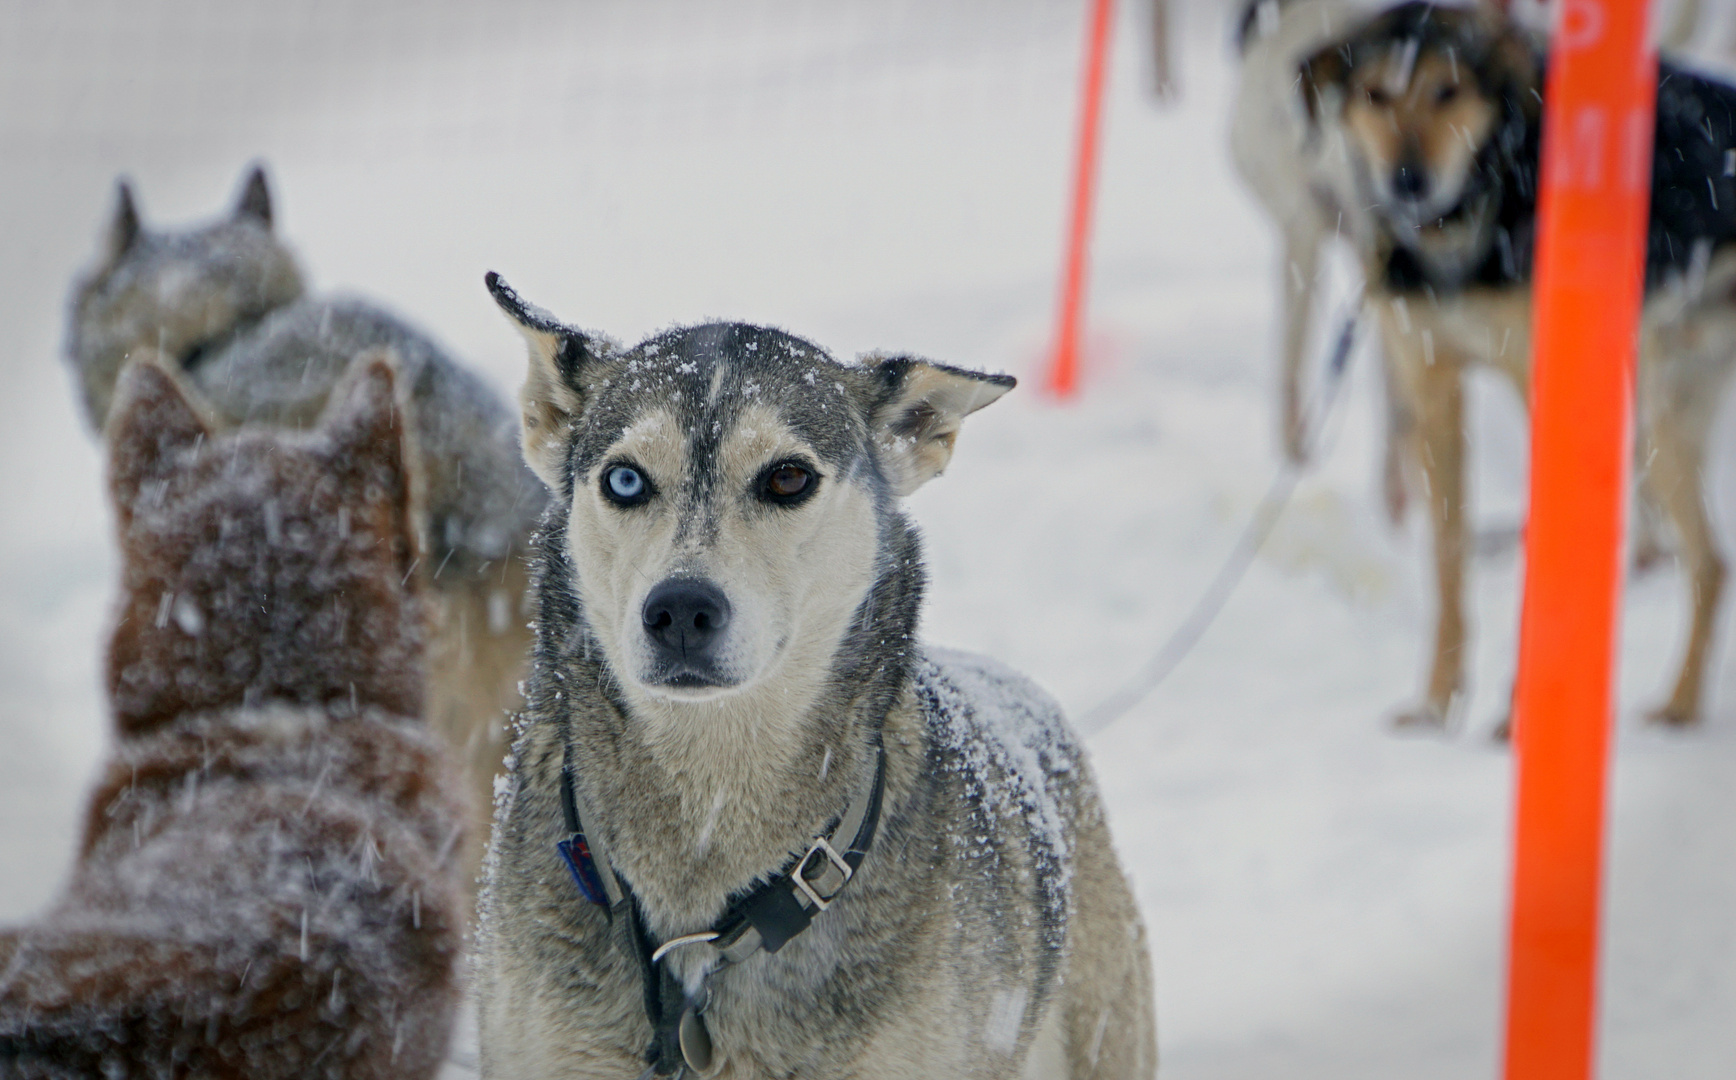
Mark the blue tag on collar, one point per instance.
(577, 855)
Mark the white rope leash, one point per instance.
(1182, 640)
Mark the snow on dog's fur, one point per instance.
(728, 598)
(267, 884)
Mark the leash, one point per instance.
(765, 916)
(1211, 603)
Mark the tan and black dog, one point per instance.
(269, 883)
(1441, 110)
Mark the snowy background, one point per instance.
(1326, 899)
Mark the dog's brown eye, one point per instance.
(1446, 93)
(1376, 96)
(787, 482)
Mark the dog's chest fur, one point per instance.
(1479, 325)
(945, 947)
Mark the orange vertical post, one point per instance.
(1064, 362)
(1596, 175)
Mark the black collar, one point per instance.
(765, 916)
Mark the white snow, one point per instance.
(1006, 740)
(1325, 899)
(1001, 1031)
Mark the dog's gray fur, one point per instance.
(227, 303)
(989, 933)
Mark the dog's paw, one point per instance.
(1295, 438)
(1424, 718)
(1395, 493)
(1672, 715)
(1649, 555)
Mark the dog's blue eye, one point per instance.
(624, 484)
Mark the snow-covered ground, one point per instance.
(1326, 899)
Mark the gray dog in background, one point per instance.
(225, 303)
(753, 828)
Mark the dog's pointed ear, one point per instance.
(1323, 75)
(916, 419)
(124, 228)
(255, 200)
(369, 430)
(152, 426)
(551, 396)
(362, 417)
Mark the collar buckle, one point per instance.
(811, 886)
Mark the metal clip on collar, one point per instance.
(818, 889)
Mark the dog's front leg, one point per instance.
(1679, 388)
(1443, 451)
(1400, 450)
(1429, 382)
(1297, 285)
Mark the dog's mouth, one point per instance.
(689, 681)
(1452, 240)
(705, 678)
(1431, 215)
(1464, 206)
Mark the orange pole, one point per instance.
(1597, 149)
(1064, 366)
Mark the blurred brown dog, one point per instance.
(227, 306)
(268, 884)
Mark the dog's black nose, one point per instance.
(1410, 180)
(685, 618)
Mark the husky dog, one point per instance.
(267, 885)
(226, 303)
(799, 843)
(1441, 110)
